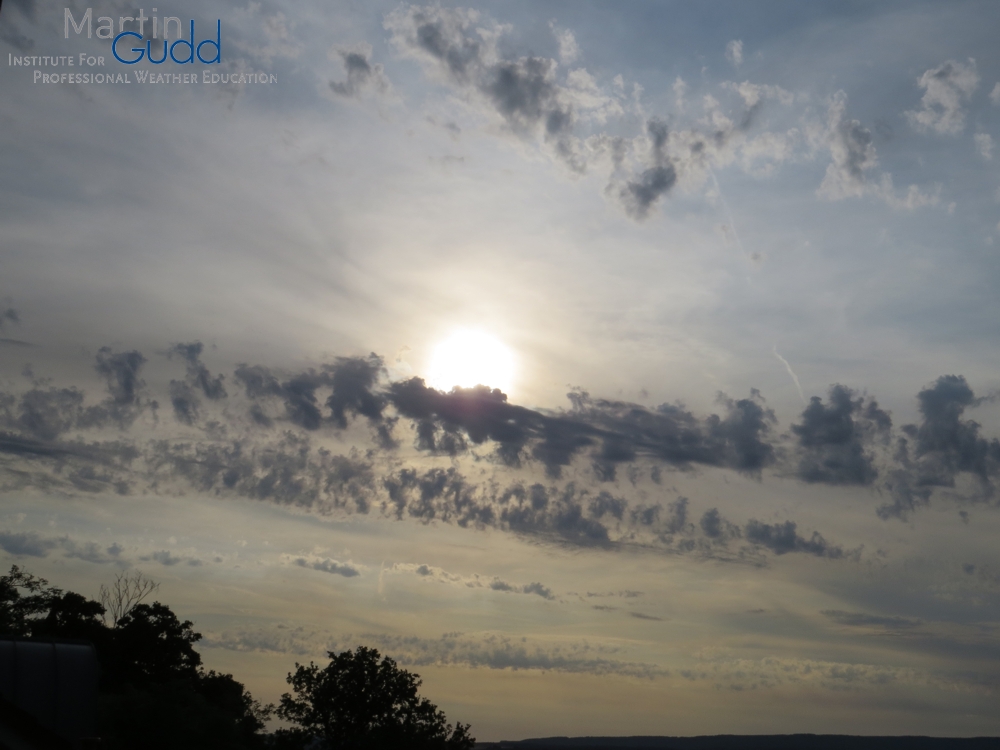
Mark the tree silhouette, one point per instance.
(154, 693)
(20, 611)
(128, 590)
(358, 702)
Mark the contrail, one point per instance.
(790, 372)
(729, 215)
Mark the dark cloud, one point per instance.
(852, 153)
(169, 559)
(529, 588)
(298, 393)
(711, 523)
(27, 7)
(326, 565)
(642, 616)
(353, 380)
(677, 519)
(522, 91)
(46, 414)
(11, 34)
(640, 195)
(606, 504)
(9, 315)
(537, 101)
(939, 449)
(861, 619)
(905, 491)
(90, 552)
(362, 74)
(835, 437)
(185, 402)
(184, 393)
(288, 472)
(501, 652)
(121, 370)
(27, 544)
(945, 443)
(619, 431)
(31, 544)
(278, 458)
(199, 375)
(782, 539)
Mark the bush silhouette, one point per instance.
(358, 702)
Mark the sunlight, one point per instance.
(471, 357)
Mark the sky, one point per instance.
(620, 368)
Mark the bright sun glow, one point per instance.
(470, 357)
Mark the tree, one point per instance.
(153, 692)
(152, 646)
(358, 702)
(127, 591)
(19, 611)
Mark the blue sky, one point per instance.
(740, 258)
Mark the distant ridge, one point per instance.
(750, 742)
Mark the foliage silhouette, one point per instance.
(125, 592)
(154, 693)
(20, 611)
(358, 702)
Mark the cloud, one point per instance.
(753, 93)
(945, 87)
(734, 52)
(284, 458)
(861, 619)
(680, 89)
(327, 565)
(715, 527)
(454, 46)
(26, 544)
(783, 538)
(532, 99)
(279, 638)
(995, 94)
(169, 559)
(32, 544)
(493, 651)
(279, 40)
(852, 159)
(184, 393)
(7, 316)
(639, 195)
(363, 76)
(943, 446)
(46, 414)
(834, 438)
(121, 369)
(613, 432)
(569, 50)
(642, 616)
(350, 378)
(852, 153)
(984, 145)
(9, 31)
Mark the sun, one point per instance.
(471, 357)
